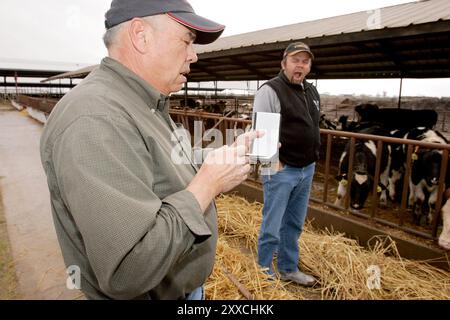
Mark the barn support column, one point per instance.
(4, 82)
(185, 93)
(15, 80)
(215, 90)
(400, 93)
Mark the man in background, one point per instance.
(286, 193)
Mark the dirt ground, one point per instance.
(38, 264)
(8, 280)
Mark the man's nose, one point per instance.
(192, 56)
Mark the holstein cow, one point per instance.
(444, 238)
(367, 112)
(364, 163)
(397, 168)
(394, 118)
(355, 126)
(325, 123)
(425, 172)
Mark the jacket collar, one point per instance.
(152, 97)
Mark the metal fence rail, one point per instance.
(44, 105)
(380, 140)
(187, 118)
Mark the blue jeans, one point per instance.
(197, 294)
(286, 196)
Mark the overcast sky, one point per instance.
(66, 34)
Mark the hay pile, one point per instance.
(348, 271)
(235, 270)
(345, 269)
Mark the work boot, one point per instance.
(298, 277)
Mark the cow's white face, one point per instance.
(361, 178)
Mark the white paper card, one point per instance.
(266, 147)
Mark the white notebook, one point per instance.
(266, 147)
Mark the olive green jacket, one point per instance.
(117, 174)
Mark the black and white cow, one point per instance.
(364, 163)
(394, 118)
(325, 123)
(367, 112)
(425, 172)
(444, 238)
(354, 126)
(397, 169)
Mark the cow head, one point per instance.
(361, 179)
(361, 186)
(430, 161)
(367, 112)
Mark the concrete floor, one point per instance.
(39, 265)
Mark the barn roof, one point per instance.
(410, 40)
(407, 40)
(80, 73)
(27, 73)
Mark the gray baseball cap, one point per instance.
(180, 10)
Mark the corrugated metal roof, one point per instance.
(390, 17)
(409, 40)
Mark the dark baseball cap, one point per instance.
(180, 10)
(297, 47)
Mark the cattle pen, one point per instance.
(332, 145)
(417, 242)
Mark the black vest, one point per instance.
(300, 115)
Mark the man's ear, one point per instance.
(283, 64)
(138, 35)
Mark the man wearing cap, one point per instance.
(132, 211)
(286, 192)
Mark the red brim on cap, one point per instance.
(207, 31)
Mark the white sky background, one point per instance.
(67, 35)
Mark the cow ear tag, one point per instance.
(414, 157)
(344, 182)
(379, 189)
